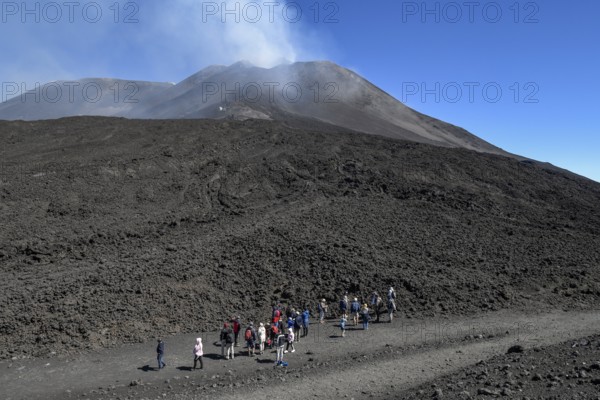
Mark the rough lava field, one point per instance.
(116, 231)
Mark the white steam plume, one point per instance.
(261, 35)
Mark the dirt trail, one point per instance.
(385, 359)
(380, 379)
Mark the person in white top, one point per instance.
(198, 353)
(391, 296)
(290, 340)
(262, 337)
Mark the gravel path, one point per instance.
(386, 359)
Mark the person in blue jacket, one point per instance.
(344, 305)
(343, 322)
(160, 352)
(298, 323)
(305, 321)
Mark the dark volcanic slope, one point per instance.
(116, 230)
(320, 90)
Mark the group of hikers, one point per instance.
(288, 326)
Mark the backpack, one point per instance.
(343, 305)
(248, 334)
(229, 337)
(298, 322)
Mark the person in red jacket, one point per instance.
(276, 314)
(237, 325)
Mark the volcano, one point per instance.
(306, 92)
(241, 187)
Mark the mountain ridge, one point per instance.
(320, 90)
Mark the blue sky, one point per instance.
(522, 75)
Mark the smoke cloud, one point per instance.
(226, 31)
(151, 40)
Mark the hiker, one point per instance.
(354, 310)
(223, 338)
(364, 312)
(391, 296)
(280, 344)
(237, 325)
(391, 307)
(250, 338)
(288, 311)
(344, 305)
(305, 321)
(298, 326)
(322, 311)
(262, 338)
(343, 322)
(376, 303)
(281, 328)
(228, 335)
(160, 352)
(290, 340)
(198, 353)
(274, 334)
(276, 315)
(290, 323)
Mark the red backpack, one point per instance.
(276, 316)
(248, 334)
